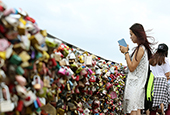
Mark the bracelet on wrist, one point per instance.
(126, 53)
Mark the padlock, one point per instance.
(29, 26)
(4, 44)
(3, 55)
(40, 47)
(2, 75)
(2, 28)
(68, 86)
(19, 70)
(10, 11)
(88, 60)
(5, 23)
(35, 104)
(52, 62)
(71, 84)
(49, 109)
(62, 71)
(60, 111)
(81, 58)
(24, 56)
(3, 6)
(87, 83)
(90, 71)
(5, 105)
(36, 79)
(80, 109)
(92, 79)
(30, 97)
(71, 106)
(21, 80)
(71, 56)
(15, 59)
(63, 62)
(81, 84)
(108, 85)
(42, 92)
(45, 56)
(20, 106)
(13, 19)
(9, 51)
(69, 72)
(83, 72)
(21, 27)
(79, 70)
(54, 43)
(86, 111)
(46, 80)
(34, 30)
(25, 64)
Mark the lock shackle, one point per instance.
(6, 90)
(86, 53)
(34, 79)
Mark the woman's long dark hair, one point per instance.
(158, 58)
(139, 31)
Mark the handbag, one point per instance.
(149, 86)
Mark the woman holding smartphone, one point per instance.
(134, 94)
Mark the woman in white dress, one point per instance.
(134, 94)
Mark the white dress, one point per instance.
(134, 94)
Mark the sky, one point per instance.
(96, 25)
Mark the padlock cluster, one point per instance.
(44, 75)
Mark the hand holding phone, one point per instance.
(122, 42)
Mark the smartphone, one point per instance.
(122, 42)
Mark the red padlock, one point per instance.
(30, 19)
(77, 90)
(80, 109)
(92, 79)
(90, 92)
(52, 62)
(77, 78)
(108, 85)
(20, 105)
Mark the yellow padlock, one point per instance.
(44, 33)
(81, 59)
(21, 28)
(45, 56)
(24, 56)
(3, 55)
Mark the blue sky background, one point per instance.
(97, 25)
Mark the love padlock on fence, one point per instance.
(5, 105)
(36, 82)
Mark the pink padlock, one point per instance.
(90, 71)
(4, 44)
(108, 85)
(21, 80)
(113, 95)
(83, 72)
(9, 11)
(62, 71)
